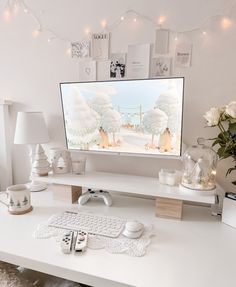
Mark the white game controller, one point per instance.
(81, 241)
(67, 242)
(84, 198)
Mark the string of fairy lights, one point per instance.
(12, 7)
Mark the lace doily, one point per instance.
(122, 244)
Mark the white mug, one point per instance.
(18, 199)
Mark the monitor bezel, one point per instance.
(128, 154)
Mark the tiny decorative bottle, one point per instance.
(199, 169)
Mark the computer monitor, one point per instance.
(128, 117)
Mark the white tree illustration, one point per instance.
(155, 122)
(101, 103)
(110, 119)
(111, 122)
(18, 204)
(11, 203)
(170, 103)
(82, 121)
(25, 201)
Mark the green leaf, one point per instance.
(223, 152)
(232, 128)
(217, 141)
(230, 170)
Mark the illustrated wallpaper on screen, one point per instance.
(142, 117)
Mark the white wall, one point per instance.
(31, 69)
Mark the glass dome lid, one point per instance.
(199, 167)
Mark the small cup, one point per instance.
(18, 199)
(167, 176)
(78, 165)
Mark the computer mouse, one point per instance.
(133, 229)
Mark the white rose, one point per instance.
(213, 116)
(231, 109)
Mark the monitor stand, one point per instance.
(169, 199)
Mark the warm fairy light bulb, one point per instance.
(49, 40)
(103, 23)
(135, 20)
(122, 18)
(213, 172)
(68, 51)
(176, 38)
(87, 31)
(161, 20)
(226, 23)
(204, 33)
(16, 8)
(7, 14)
(25, 10)
(35, 33)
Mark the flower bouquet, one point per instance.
(225, 119)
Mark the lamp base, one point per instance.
(37, 186)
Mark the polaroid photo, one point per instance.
(162, 41)
(161, 67)
(80, 50)
(100, 46)
(117, 65)
(138, 61)
(87, 71)
(183, 55)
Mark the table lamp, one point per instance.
(31, 130)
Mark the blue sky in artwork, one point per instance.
(127, 94)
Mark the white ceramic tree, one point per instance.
(82, 121)
(40, 166)
(154, 122)
(111, 123)
(61, 164)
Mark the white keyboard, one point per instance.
(92, 223)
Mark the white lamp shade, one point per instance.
(30, 128)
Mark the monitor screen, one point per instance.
(137, 117)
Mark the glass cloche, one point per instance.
(199, 170)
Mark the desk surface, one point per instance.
(197, 251)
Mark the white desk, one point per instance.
(198, 251)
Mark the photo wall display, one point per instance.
(161, 67)
(140, 62)
(80, 50)
(118, 65)
(162, 41)
(87, 71)
(103, 70)
(100, 46)
(183, 55)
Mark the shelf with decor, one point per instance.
(167, 197)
